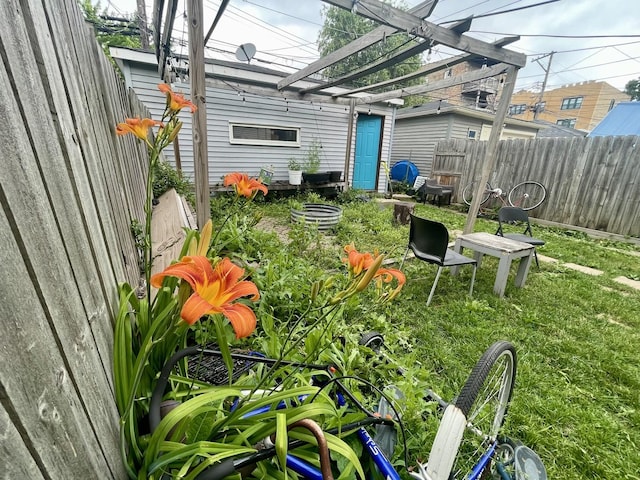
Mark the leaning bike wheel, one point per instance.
(470, 190)
(527, 195)
(484, 400)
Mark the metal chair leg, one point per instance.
(473, 279)
(535, 255)
(404, 258)
(435, 282)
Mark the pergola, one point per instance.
(391, 20)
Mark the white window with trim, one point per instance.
(268, 135)
(472, 134)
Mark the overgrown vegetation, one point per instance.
(575, 402)
(166, 178)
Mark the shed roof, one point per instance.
(441, 107)
(623, 119)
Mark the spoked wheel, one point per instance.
(527, 195)
(484, 400)
(470, 190)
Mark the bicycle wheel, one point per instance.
(527, 195)
(470, 190)
(484, 400)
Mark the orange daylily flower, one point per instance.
(175, 101)
(138, 126)
(357, 261)
(244, 185)
(214, 288)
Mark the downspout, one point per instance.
(347, 154)
(393, 127)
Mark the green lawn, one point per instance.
(577, 390)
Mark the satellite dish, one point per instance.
(245, 52)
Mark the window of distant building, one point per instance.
(517, 109)
(567, 122)
(571, 103)
(540, 106)
(247, 134)
(472, 134)
(612, 104)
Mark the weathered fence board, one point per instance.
(69, 189)
(24, 465)
(591, 182)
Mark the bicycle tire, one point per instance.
(470, 190)
(527, 195)
(484, 400)
(372, 340)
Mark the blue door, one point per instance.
(365, 165)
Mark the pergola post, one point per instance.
(492, 146)
(198, 97)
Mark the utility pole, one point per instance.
(142, 24)
(536, 107)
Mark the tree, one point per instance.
(632, 88)
(111, 31)
(341, 27)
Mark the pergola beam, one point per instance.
(422, 10)
(384, 62)
(401, 20)
(426, 69)
(449, 82)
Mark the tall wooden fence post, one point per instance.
(198, 96)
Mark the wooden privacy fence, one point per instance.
(591, 182)
(68, 192)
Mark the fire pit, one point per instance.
(322, 215)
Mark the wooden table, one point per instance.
(505, 249)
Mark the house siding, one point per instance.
(326, 122)
(415, 138)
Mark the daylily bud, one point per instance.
(315, 289)
(370, 273)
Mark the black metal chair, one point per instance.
(518, 216)
(429, 241)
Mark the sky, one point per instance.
(592, 39)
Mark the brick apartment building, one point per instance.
(579, 105)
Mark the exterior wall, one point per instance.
(326, 122)
(415, 138)
(597, 101)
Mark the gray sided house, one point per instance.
(418, 130)
(252, 125)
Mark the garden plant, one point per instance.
(225, 291)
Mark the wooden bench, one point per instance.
(169, 217)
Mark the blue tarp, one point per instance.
(404, 171)
(623, 119)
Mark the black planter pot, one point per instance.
(322, 177)
(335, 175)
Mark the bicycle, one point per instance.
(525, 195)
(466, 442)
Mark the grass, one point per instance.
(577, 395)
